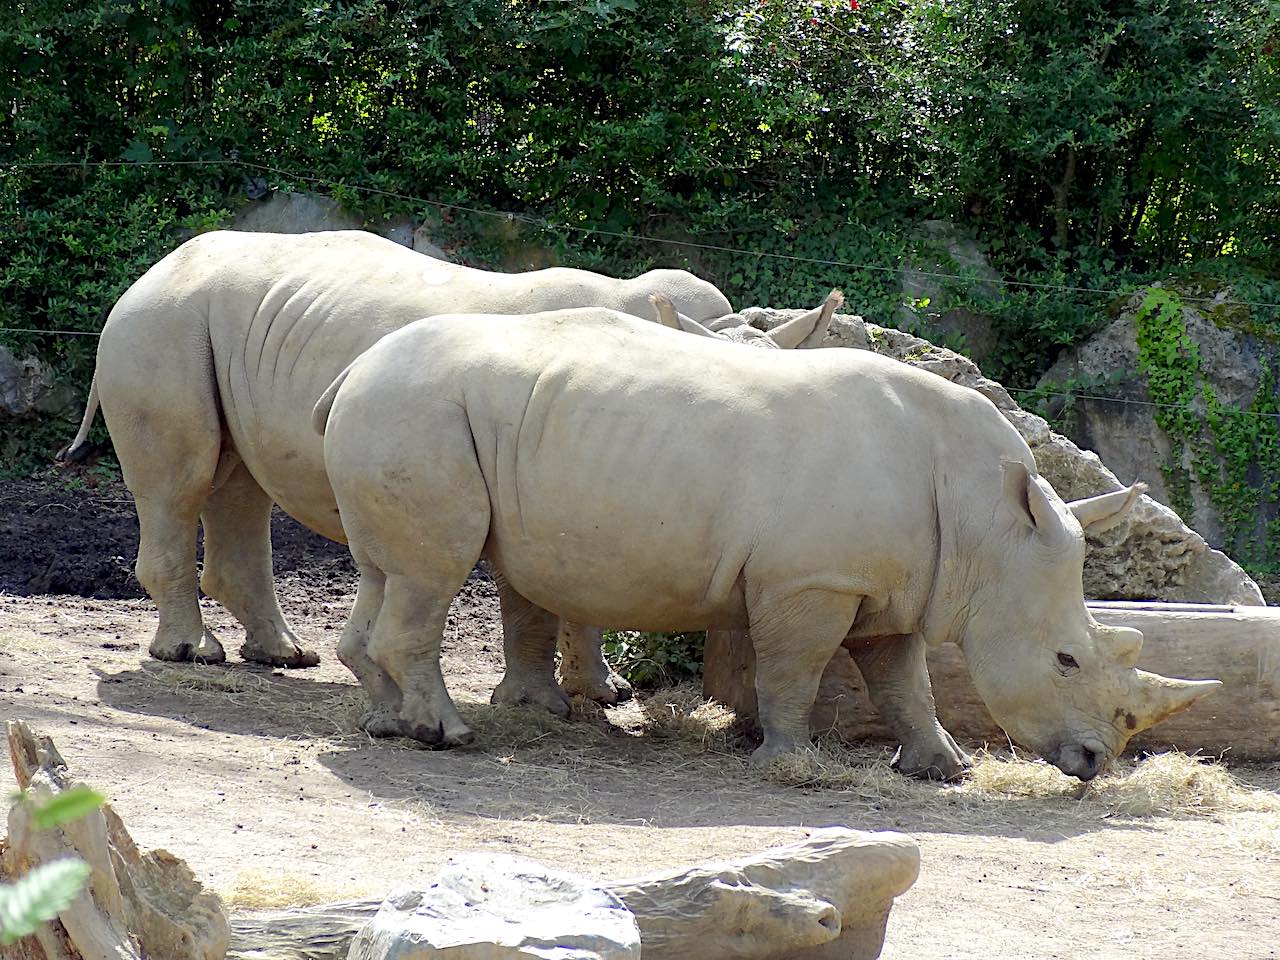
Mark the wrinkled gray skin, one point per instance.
(873, 505)
(208, 369)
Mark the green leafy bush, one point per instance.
(649, 660)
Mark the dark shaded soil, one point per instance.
(74, 533)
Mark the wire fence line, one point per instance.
(552, 225)
(542, 223)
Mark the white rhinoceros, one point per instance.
(872, 505)
(210, 364)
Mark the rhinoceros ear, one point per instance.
(1104, 512)
(669, 317)
(808, 329)
(1026, 497)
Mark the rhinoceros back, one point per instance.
(627, 462)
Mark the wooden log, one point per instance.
(1238, 645)
(827, 897)
(135, 905)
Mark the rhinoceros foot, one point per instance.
(284, 653)
(940, 759)
(438, 735)
(171, 646)
(380, 722)
(608, 690)
(514, 691)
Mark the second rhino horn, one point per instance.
(668, 316)
(808, 329)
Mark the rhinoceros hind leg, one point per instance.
(382, 719)
(794, 636)
(166, 568)
(237, 570)
(583, 669)
(406, 643)
(897, 679)
(529, 646)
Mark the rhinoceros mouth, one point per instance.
(1083, 760)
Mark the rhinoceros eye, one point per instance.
(1068, 661)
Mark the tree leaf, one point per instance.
(67, 806)
(39, 896)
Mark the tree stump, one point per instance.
(136, 906)
(1239, 645)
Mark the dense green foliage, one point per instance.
(649, 660)
(1093, 144)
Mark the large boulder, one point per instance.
(1116, 418)
(27, 390)
(940, 305)
(495, 907)
(284, 212)
(1152, 555)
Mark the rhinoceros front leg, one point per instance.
(897, 678)
(794, 636)
(529, 647)
(382, 719)
(237, 570)
(583, 669)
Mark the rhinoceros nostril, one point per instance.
(1090, 758)
(829, 919)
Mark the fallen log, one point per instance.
(135, 905)
(1238, 645)
(827, 897)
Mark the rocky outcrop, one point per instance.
(27, 389)
(1152, 555)
(940, 305)
(1127, 436)
(285, 212)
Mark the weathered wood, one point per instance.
(1238, 645)
(136, 906)
(825, 898)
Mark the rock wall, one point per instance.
(1151, 556)
(1126, 434)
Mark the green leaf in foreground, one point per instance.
(39, 896)
(67, 806)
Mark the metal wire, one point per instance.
(596, 231)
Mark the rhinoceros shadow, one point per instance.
(590, 769)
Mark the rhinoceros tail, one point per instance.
(77, 449)
(320, 412)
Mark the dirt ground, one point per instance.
(259, 779)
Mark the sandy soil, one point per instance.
(260, 781)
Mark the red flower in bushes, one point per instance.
(853, 4)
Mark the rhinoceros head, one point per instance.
(806, 330)
(1054, 678)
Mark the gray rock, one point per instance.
(1153, 555)
(1125, 434)
(28, 390)
(495, 907)
(943, 248)
(285, 212)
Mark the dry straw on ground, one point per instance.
(677, 722)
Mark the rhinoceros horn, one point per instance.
(1154, 698)
(668, 316)
(1103, 512)
(808, 329)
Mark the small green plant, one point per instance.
(649, 660)
(51, 887)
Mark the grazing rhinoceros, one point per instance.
(872, 505)
(208, 369)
